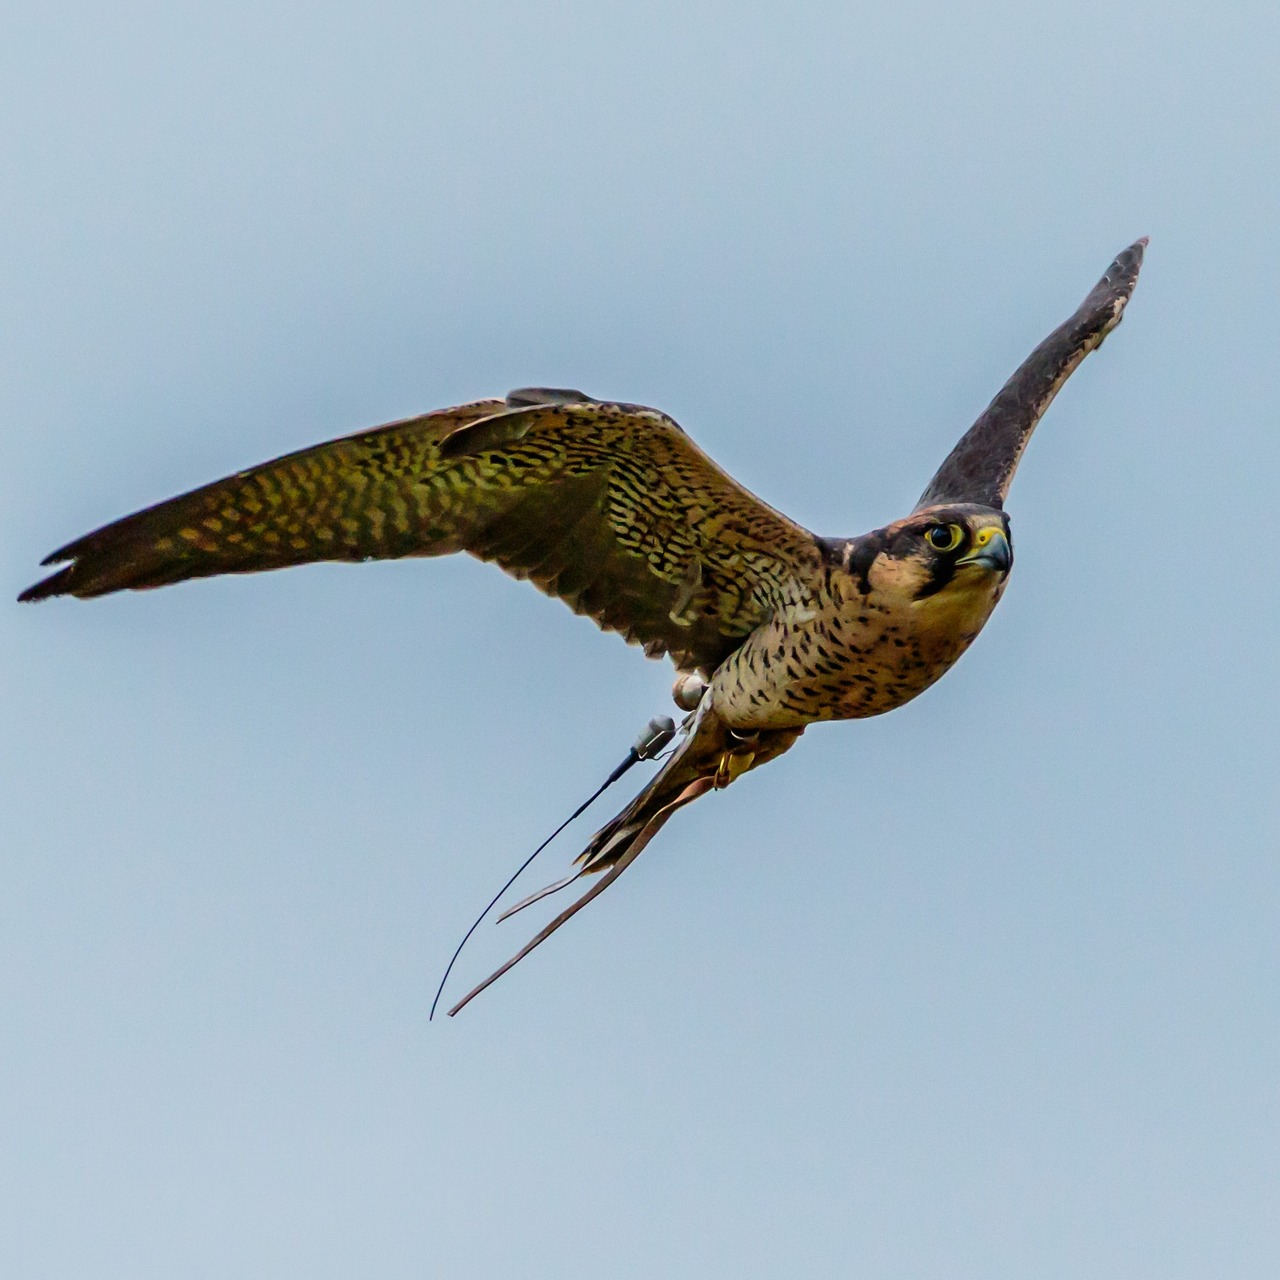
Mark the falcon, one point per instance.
(612, 508)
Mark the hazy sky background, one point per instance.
(988, 987)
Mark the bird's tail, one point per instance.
(709, 758)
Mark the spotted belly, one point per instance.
(843, 661)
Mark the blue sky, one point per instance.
(986, 987)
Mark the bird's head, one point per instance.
(954, 554)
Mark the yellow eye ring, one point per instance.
(944, 537)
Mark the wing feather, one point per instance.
(980, 468)
(609, 506)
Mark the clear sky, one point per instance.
(988, 987)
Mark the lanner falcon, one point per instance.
(615, 510)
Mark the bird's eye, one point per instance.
(944, 537)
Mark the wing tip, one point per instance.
(90, 565)
(56, 584)
(1129, 261)
(1113, 291)
(67, 552)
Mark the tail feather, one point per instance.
(710, 757)
(634, 845)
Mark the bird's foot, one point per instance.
(738, 759)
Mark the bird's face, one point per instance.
(948, 561)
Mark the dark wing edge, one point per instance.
(980, 468)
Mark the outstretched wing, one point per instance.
(611, 507)
(980, 468)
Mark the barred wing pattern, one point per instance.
(610, 507)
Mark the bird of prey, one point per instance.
(612, 508)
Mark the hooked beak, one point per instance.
(991, 550)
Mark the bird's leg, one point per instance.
(738, 759)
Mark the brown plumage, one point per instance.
(612, 508)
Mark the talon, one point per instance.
(733, 764)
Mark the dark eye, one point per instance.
(944, 537)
